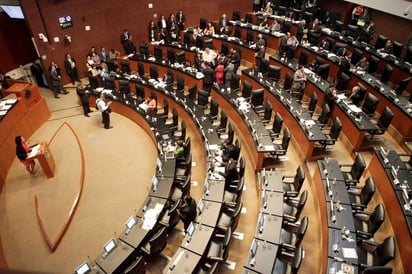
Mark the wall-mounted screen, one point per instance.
(65, 22)
(14, 12)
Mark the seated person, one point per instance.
(275, 26)
(355, 95)
(226, 152)
(209, 56)
(149, 104)
(168, 78)
(230, 172)
(330, 96)
(313, 66)
(268, 9)
(388, 48)
(210, 29)
(324, 44)
(179, 149)
(362, 65)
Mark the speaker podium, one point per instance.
(43, 154)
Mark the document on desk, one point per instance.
(355, 109)
(150, 217)
(349, 253)
(34, 151)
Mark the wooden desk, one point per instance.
(198, 242)
(45, 159)
(183, 261)
(117, 260)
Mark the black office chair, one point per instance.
(171, 217)
(222, 123)
(360, 198)
(282, 148)
(386, 74)
(172, 123)
(276, 128)
(293, 206)
(400, 87)
(180, 84)
(164, 113)
(238, 32)
(397, 49)
(353, 175)
(182, 183)
(109, 83)
(125, 66)
(311, 105)
(238, 147)
(367, 223)
(233, 194)
(376, 254)
(333, 134)
(138, 266)
(291, 188)
(273, 73)
(342, 81)
(267, 115)
(202, 98)
(181, 133)
(383, 123)
(229, 217)
(378, 270)
(218, 247)
(370, 104)
(324, 116)
(286, 26)
(338, 27)
(235, 83)
(408, 55)
(288, 81)
(227, 135)
(246, 89)
(156, 244)
(352, 31)
(214, 109)
(124, 87)
(257, 99)
(380, 41)
(140, 94)
(181, 57)
(373, 64)
(140, 69)
(356, 56)
(323, 71)
(288, 259)
(293, 233)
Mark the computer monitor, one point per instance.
(201, 206)
(159, 165)
(264, 198)
(207, 186)
(323, 71)
(154, 72)
(253, 247)
(144, 49)
(261, 221)
(171, 55)
(109, 246)
(131, 222)
(180, 57)
(249, 18)
(191, 229)
(158, 52)
(155, 183)
(83, 268)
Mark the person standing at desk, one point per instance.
(299, 81)
(330, 96)
(181, 20)
(22, 151)
(187, 211)
(104, 108)
(84, 99)
(209, 78)
(56, 81)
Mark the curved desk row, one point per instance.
(387, 97)
(394, 186)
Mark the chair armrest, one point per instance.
(288, 247)
(289, 218)
(368, 245)
(345, 165)
(289, 194)
(229, 204)
(216, 259)
(358, 207)
(364, 235)
(362, 215)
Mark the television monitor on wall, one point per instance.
(65, 22)
(13, 11)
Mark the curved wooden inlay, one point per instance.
(54, 244)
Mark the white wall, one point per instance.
(395, 7)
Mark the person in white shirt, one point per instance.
(104, 107)
(209, 56)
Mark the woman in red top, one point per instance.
(219, 73)
(21, 152)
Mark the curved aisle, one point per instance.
(117, 180)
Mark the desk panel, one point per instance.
(117, 260)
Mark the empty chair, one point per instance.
(156, 243)
(383, 123)
(263, 65)
(333, 134)
(288, 259)
(202, 98)
(125, 66)
(165, 109)
(192, 92)
(408, 55)
(257, 99)
(235, 82)
(267, 115)
(238, 32)
(386, 74)
(400, 87)
(378, 270)
(250, 35)
(181, 57)
(373, 64)
(360, 198)
(324, 116)
(342, 82)
(109, 83)
(370, 104)
(232, 195)
(293, 233)
(374, 254)
(338, 26)
(367, 223)
(171, 217)
(214, 109)
(228, 135)
(312, 103)
(140, 94)
(273, 73)
(352, 31)
(222, 123)
(236, 15)
(124, 87)
(208, 43)
(171, 55)
(323, 71)
(282, 148)
(138, 266)
(277, 124)
(172, 123)
(180, 83)
(353, 175)
(217, 250)
(224, 48)
(140, 69)
(303, 58)
(380, 41)
(288, 81)
(293, 206)
(397, 49)
(180, 134)
(291, 188)
(356, 56)
(181, 187)
(229, 217)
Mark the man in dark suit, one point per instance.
(223, 22)
(71, 68)
(126, 40)
(83, 94)
(56, 81)
(345, 64)
(235, 58)
(181, 20)
(301, 30)
(209, 78)
(187, 211)
(230, 172)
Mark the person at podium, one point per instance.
(22, 151)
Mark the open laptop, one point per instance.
(83, 268)
(131, 222)
(108, 247)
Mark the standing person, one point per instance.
(209, 78)
(181, 20)
(126, 40)
(236, 59)
(229, 71)
(187, 211)
(22, 150)
(104, 108)
(330, 96)
(56, 81)
(37, 70)
(299, 81)
(219, 73)
(71, 68)
(84, 98)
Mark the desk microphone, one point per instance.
(90, 261)
(115, 236)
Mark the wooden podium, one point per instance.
(45, 159)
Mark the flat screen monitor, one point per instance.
(159, 165)
(155, 183)
(65, 22)
(171, 55)
(264, 198)
(83, 268)
(253, 248)
(207, 185)
(261, 221)
(154, 72)
(201, 206)
(131, 222)
(109, 246)
(12, 11)
(191, 229)
(158, 52)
